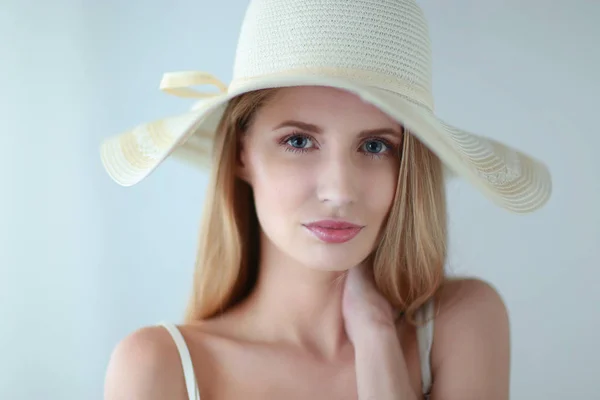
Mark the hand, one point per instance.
(364, 309)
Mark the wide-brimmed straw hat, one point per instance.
(378, 50)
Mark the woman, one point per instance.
(320, 270)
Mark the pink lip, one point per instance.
(332, 231)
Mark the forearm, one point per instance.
(381, 372)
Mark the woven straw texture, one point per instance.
(377, 49)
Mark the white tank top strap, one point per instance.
(186, 360)
(425, 341)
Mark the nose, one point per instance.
(338, 178)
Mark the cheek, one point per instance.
(380, 191)
(280, 189)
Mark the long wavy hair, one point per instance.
(407, 264)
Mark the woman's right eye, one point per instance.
(300, 142)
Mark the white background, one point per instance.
(83, 261)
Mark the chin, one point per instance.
(328, 259)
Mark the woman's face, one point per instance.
(323, 166)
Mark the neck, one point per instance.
(296, 305)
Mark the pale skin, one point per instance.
(304, 333)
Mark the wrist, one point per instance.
(371, 336)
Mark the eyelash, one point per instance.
(284, 142)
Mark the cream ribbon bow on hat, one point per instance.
(179, 84)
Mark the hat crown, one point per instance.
(380, 40)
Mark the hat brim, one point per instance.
(510, 178)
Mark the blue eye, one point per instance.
(375, 146)
(299, 142)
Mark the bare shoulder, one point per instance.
(145, 365)
(470, 299)
(471, 346)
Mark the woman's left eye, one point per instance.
(374, 147)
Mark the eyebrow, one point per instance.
(318, 130)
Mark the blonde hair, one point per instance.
(407, 265)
